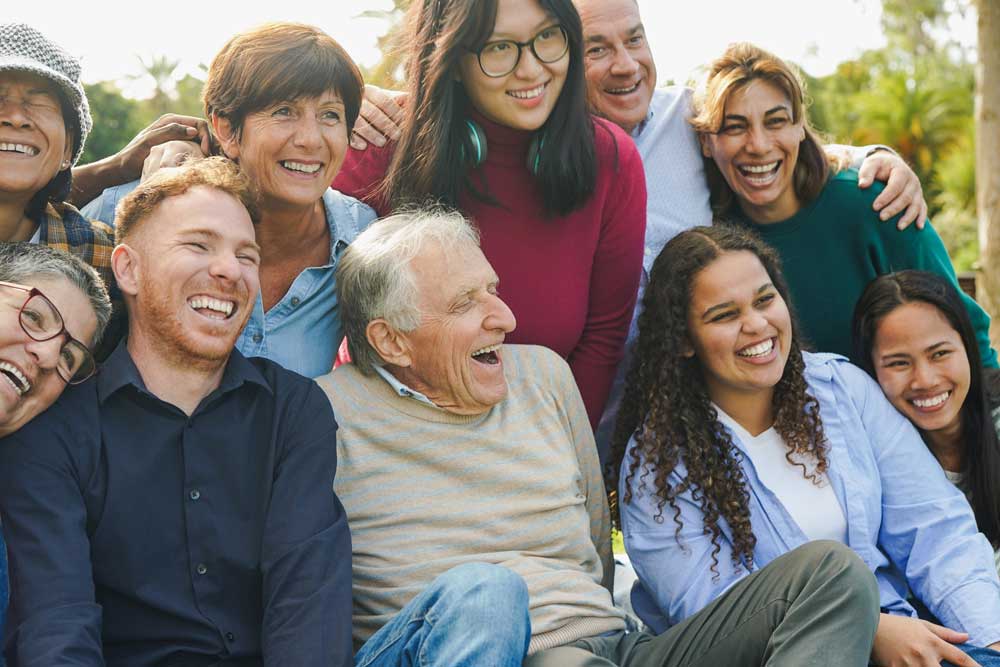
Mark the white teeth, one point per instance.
(759, 169)
(298, 166)
(485, 350)
(18, 148)
(22, 386)
(527, 94)
(622, 91)
(758, 350)
(933, 401)
(224, 307)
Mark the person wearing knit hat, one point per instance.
(44, 122)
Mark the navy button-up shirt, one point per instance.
(140, 536)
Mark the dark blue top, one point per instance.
(140, 536)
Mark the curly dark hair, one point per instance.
(667, 410)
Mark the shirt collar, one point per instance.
(401, 389)
(333, 209)
(119, 370)
(637, 130)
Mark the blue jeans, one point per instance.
(472, 615)
(984, 656)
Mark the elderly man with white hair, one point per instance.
(459, 453)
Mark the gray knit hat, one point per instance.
(24, 49)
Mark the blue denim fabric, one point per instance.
(472, 615)
(302, 331)
(984, 656)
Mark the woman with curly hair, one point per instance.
(734, 447)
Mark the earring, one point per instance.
(64, 166)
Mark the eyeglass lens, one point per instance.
(42, 321)
(500, 58)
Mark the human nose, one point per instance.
(12, 112)
(753, 322)
(528, 64)
(225, 266)
(758, 140)
(623, 63)
(924, 376)
(500, 317)
(45, 353)
(308, 133)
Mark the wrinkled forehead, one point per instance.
(29, 81)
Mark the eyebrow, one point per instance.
(498, 36)
(780, 107)
(603, 38)
(730, 304)
(905, 355)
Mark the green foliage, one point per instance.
(116, 120)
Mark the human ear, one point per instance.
(227, 136)
(125, 264)
(706, 149)
(390, 344)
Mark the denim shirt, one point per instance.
(303, 330)
(911, 526)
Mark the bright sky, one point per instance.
(110, 35)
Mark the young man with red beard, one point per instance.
(178, 508)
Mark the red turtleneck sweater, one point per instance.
(570, 280)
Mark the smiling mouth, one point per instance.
(623, 91)
(15, 377)
(301, 167)
(23, 149)
(760, 174)
(528, 94)
(214, 309)
(931, 401)
(757, 350)
(488, 355)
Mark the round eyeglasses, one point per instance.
(500, 58)
(42, 321)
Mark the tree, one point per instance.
(116, 120)
(988, 158)
(387, 73)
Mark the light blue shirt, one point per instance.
(401, 389)
(303, 330)
(905, 520)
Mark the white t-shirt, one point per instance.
(37, 236)
(814, 507)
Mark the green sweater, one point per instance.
(426, 490)
(836, 245)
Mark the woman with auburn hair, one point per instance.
(767, 170)
(734, 446)
(497, 125)
(913, 335)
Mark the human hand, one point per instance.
(901, 641)
(380, 118)
(902, 188)
(169, 127)
(169, 154)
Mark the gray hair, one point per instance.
(22, 262)
(374, 279)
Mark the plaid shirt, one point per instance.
(62, 227)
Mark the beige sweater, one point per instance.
(520, 486)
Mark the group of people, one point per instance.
(688, 280)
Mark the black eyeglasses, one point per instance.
(500, 58)
(42, 321)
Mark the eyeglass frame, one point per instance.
(520, 49)
(67, 337)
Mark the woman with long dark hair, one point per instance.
(913, 335)
(497, 126)
(734, 446)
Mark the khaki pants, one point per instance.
(818, 605)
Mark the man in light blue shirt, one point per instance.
(302, 331)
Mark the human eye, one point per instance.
(282, 111)
(250, 258)
(636, 39)
(68, 357)
(733, 129)
(723, 316)
(496, 48)
(764, 300)
(940, 354)
(778, 121)
(196, 245)
(896, 364)
(331, 116)
(597, 52)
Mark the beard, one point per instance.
(177, 333)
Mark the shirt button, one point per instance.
(230, 636)
(201, 569)
(296, 301)
(257, 338)
(195, 494)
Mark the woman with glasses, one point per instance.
(44, 122)
(53, 310)
(497, 126)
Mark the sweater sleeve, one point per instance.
(924, 250)
(614, 280)
(362, 174)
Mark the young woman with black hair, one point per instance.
(913, 334)
(497, 126)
